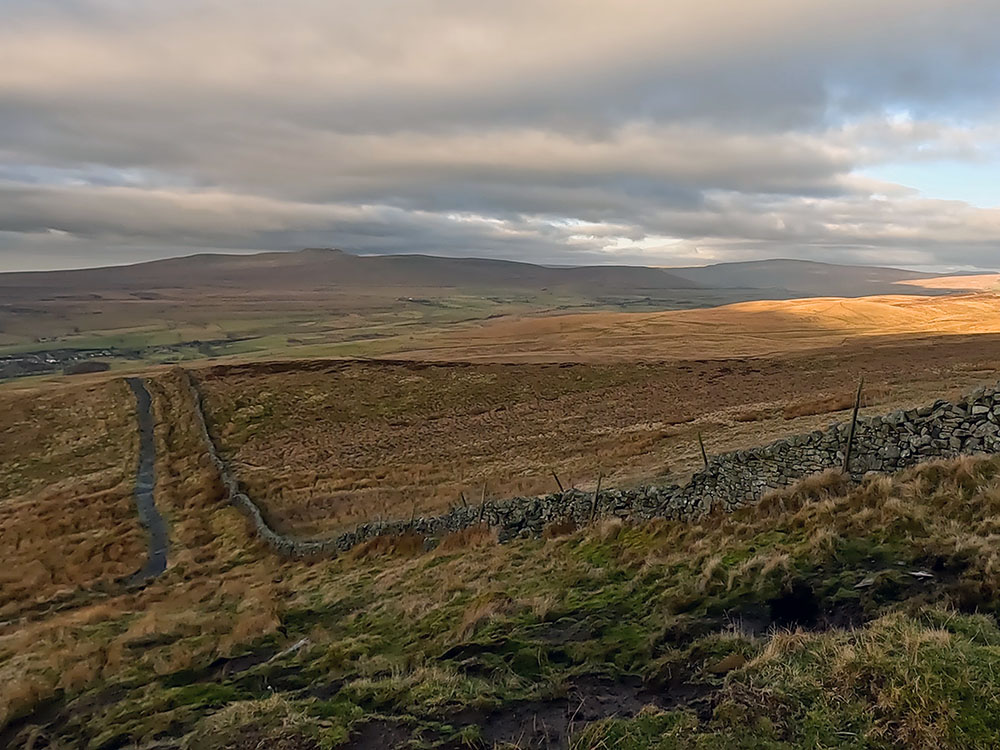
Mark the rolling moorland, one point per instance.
(322, 303)
(838, 612)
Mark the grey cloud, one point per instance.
(917, 231)
(733, 130)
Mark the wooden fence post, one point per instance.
(597, 498)
(854, 424)
(556, 477)
(704, 455)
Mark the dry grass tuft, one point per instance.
(557, 529)
(394, 545)
(607, 529)
(814, 489)
(469, 538)
(830, 404)
(250, 623)
(482, 611)
(20, 693)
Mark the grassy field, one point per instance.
(54, 435)
(174, 325)
(182, 322)
(830, 615)
(192, 327)
(749, 329)
(989, 282)
(807, 621)
(325, 445)
(67, 519)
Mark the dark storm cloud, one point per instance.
(633, 131)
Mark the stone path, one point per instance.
(145, 481)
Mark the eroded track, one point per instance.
(145, 482)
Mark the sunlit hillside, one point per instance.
(744, 330)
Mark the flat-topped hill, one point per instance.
(317, 269)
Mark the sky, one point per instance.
(655, 132)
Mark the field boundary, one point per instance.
(880, 444)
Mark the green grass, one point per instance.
(325, 327)
(418, 639)
(315, 326)
(916, 681)
(63, 435)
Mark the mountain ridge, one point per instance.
(317, 269)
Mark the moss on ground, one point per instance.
(827, 616)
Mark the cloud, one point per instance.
(544, 130)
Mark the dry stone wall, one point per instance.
(883, 444)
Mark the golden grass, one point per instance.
(276, 715)
(224, 590)
(481, 611)
(468, 538)
(983, 282)
(70, 520)
(832, 403)
(61, 540)
(227, 592)
(557, 529)
(64, 433)
(746, 329)
(219, 592)
(323, 446)
(399, 545)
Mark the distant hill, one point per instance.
(322, 270)
(315, 269)
(328, 302)
(802, 277)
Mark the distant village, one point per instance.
(67, 361)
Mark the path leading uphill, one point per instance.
(145, 481)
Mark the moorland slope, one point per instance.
(808, 278)
(330, 303)
(748, 329)
(833, 614)
(313, 269)
(828, 615)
